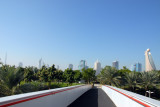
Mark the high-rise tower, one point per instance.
(40, 63)
(82, 65)
(138, 67)
(70, 66)
(20, 64)
(97, 67)
(149, 64)
(115, 64)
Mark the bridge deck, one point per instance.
(95, 97)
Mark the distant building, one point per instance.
(20, 64)
(40, 63)
(57, 67)
(86, 67)
(133, 67)
(1, 63)
(115, 64)
(70, 66)
(82, 65)
(149, 63)
(97, 67)
(138, 67)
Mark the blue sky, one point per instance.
(66, 31)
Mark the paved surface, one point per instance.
(95, 97)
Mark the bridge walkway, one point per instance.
(95, 97)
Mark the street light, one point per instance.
(149, 92)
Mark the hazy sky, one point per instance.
(66, 31)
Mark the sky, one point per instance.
(63, 32)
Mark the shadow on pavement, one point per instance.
(88, 99)
(95, 97)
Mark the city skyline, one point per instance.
(64, 32)
(97, 65)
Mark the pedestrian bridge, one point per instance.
(80, 96)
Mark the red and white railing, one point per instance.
(123, 98)
(60, 97)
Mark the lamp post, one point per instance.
(149, 92)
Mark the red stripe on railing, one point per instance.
(130, 97)
(36, 97)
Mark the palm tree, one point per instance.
(10, 76)
(109, 75)
(149, 80)
(131, 80)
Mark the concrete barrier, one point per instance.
(60, 97)
(123, 98)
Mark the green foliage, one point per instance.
(29, 79)
(109, 75)
(28, 74)
(77, 75)
(149, 80)
(43, 74)
(11, 76)
(58, 75)
(124, 71)
(88, 75)
(131, 80)
(33, 86)
(69, 75)
(4, 91)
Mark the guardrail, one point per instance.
(123, 98)
(60, 97)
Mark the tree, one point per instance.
(77, 76)
(88, 75)
(131, 80)
(28, 74)
(58, 75)
(149, 80)
(47, 74)
(69, 75)
(43, 74)
(109, 75)
(10, 76)
(123, 71)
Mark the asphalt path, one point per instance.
(95, 97)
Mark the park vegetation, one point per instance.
(138, 82)
(17, 80)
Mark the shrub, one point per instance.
(4, 91)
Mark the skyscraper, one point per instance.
(133, 67)
(70, 66)
(40, 63)
(115, 64)
(1, 63)
(20, 64)
(149, 64)
(82, 65)
(97, 67)
(138, 67)
(57, 67)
